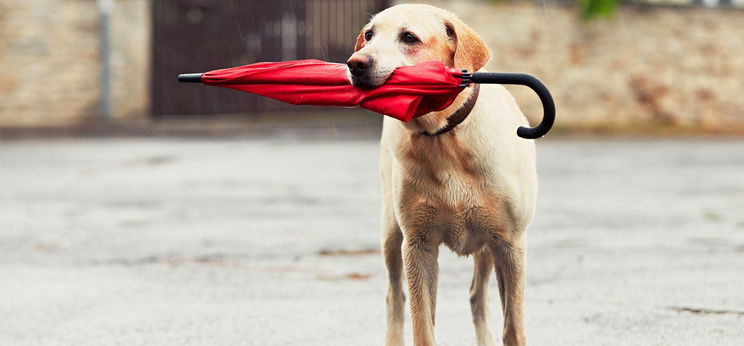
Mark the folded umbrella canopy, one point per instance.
(410, 91)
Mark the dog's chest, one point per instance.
(447, 191)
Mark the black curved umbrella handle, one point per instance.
(534, 84)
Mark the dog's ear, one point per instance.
(471, 52)
(360, 41)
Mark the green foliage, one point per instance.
(591, 9)
(594, 9)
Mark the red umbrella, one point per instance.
(410, 91)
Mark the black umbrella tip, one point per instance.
(190, 77)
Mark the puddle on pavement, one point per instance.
(349, 252)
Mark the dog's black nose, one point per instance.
(358, 64)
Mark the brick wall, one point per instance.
(647, 67)
(49, 61)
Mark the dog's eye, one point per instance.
(408, 37)
(368, 35)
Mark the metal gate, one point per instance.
(202, 35)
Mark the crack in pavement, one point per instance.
(704, 311)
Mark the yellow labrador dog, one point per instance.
(460, 176)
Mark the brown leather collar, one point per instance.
(459, 115)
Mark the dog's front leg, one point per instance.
(422, 270)
(509, 258)
(392, 240)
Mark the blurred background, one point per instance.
(136, 210)
(671, 65)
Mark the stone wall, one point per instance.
(50, 67)
(649, 67)
(646, 68)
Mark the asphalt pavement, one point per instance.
(145, 241)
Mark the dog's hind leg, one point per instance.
(509, 258)
(392, 240)
(483, 262)
(422, 270)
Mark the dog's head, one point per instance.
(407, 35)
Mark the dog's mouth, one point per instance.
(370, 79)
(364, 82)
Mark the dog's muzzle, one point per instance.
(360, 70)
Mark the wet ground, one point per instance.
(275, 242)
